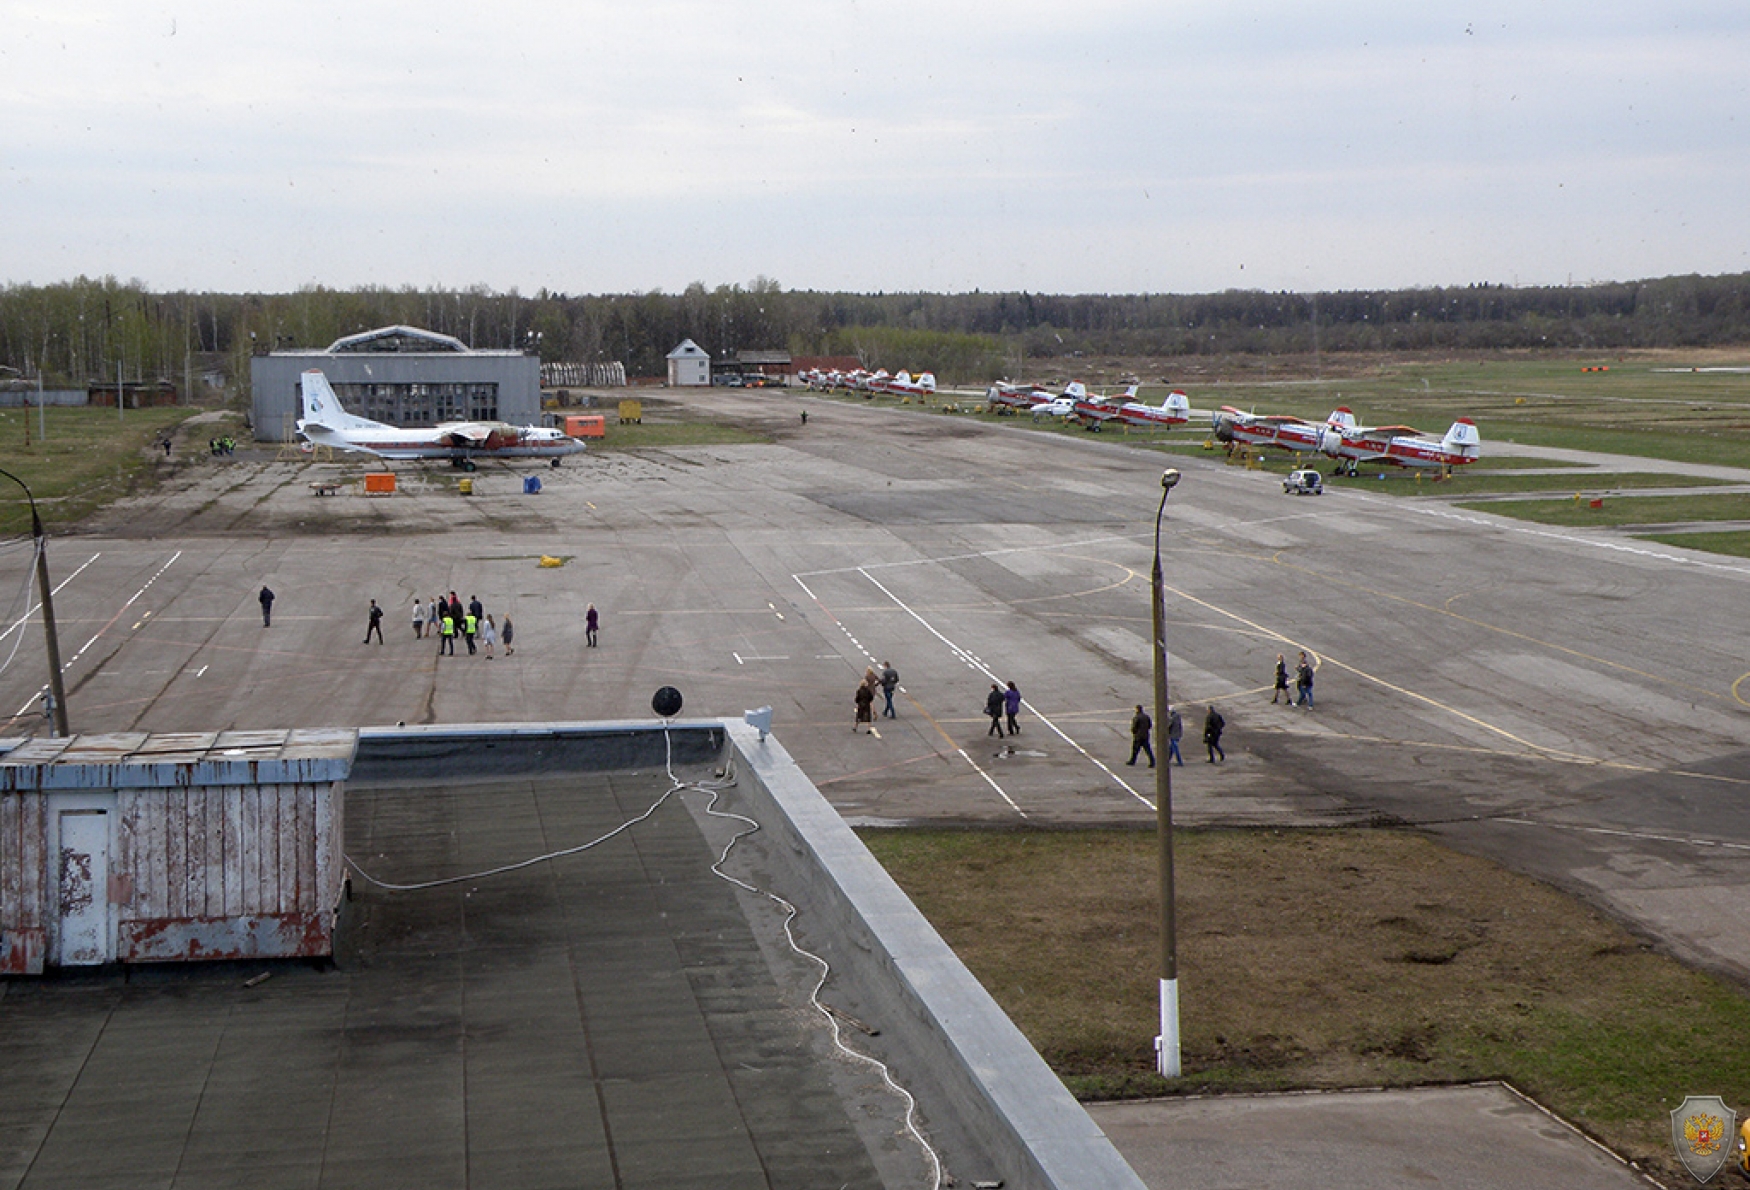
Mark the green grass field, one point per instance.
(1326, 958)
(1617, 511)
(89, 457)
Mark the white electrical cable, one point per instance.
(23, 595)
(714, 792)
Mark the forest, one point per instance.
(73, 333)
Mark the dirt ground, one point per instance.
(1328, 958)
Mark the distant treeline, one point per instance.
(80, 331)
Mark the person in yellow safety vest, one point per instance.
(446, 636)
(470, 625)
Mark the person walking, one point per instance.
(488, 637)
(591, 621)
(470, 629)
(889, 683)
(1212, 726)
(447, 633)
(994, 704)
(1281, 690)
(266, 598)
(865, 700)
(418, 618)
(1140, 726)
(1303, 682)
(374, 624)
(433, 615)
(1012, 707)
(1175, 732)
(505, 632)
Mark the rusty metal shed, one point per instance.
(141, 848)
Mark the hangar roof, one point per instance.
(396, 338)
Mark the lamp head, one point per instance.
(1169, 478)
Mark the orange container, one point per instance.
(586, 425)
(380, 481)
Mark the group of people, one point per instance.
(446, 618)
(215, 446)
(1142, 726)
(887, 681)
(1303, 682)
(1000, 702)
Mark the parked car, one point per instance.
(1305, 482)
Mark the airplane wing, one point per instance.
(464, 435)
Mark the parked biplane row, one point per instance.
(899, 384)
(1076, 404)
(1353, 445)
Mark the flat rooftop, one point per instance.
(621, 1015)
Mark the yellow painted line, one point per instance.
(1737, 690)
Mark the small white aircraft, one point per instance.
(327, 423)
(1015, 396)
(1174, 410)
(1093, 411)
(1064, 406)
(905, 384)
(1402, 446)
(1279, 429)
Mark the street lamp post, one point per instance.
(56, 693)
(1167, 1044)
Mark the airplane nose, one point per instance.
(1224, 430)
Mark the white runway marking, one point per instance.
(976, 767)
(131, 600)
(973, 662)
(1647, 835)
(35, 607)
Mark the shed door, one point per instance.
(82, 881)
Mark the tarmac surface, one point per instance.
(1567, 702)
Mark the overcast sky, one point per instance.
(1048, 145)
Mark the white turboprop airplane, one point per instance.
(327, 423)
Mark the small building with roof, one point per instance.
(142, 848)
(402, 376)
(689, 365)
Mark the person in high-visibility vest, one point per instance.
(446, 635)
(470, 625)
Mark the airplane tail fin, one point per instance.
(1177, 403)
(1463, 438)
(322, 410)
(1128, 394)
(1076, 390)
(927, 381)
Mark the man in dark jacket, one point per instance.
(1212, 725)
(993, 706)
(1140, 727)
(889, 683)
(266, 606)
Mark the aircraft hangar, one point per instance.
(400, 375)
